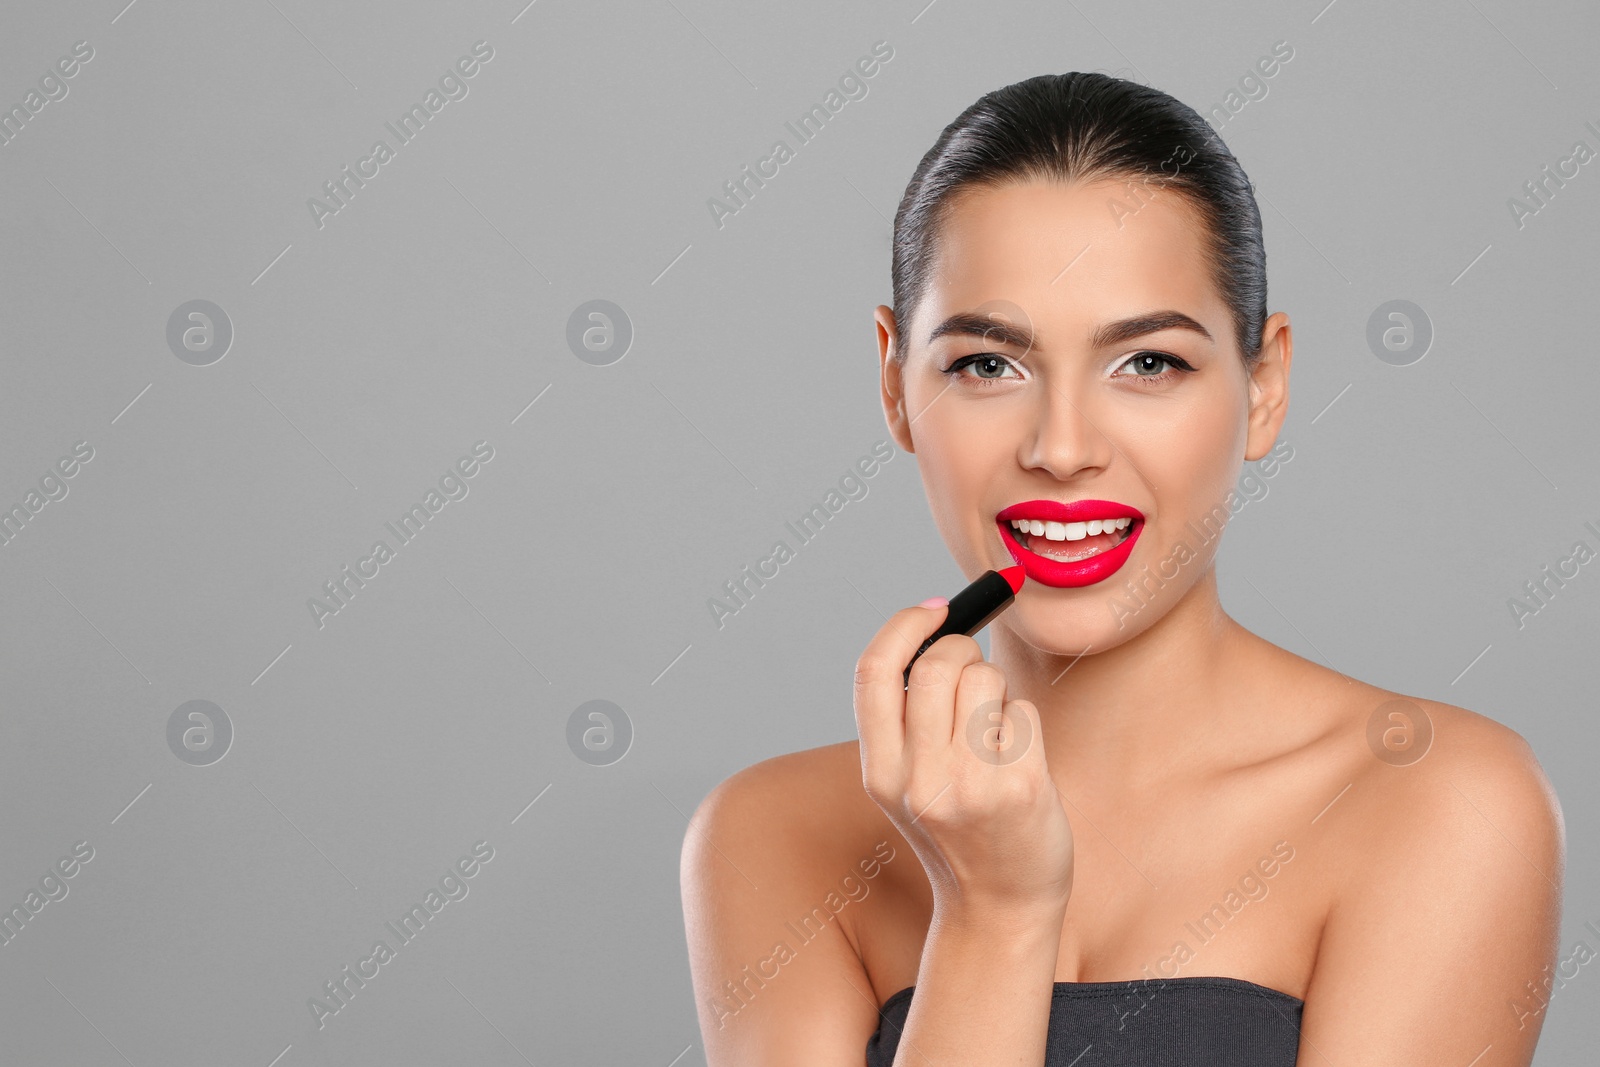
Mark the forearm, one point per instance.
(984, 990)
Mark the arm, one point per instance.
(1429, 947)
(984, 991)
(989, 829)
(765, 998)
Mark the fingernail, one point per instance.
(934, 602)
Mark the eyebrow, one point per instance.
(968, 323)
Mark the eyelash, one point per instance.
(1175, 363)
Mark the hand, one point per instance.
(986, 823)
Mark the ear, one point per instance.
(891, 383)
(1269, 386)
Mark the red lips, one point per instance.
(1054, 572)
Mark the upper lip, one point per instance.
(1076, 511)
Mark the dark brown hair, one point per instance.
(1082, 127)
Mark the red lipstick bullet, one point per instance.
(974, 607)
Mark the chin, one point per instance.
(1080, 629)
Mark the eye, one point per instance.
(991, 367)
(1143, 369)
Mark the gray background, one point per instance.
(370, 354)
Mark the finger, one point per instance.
(1026, 737)
(880, 699)
(1022, 740)
(979, 711)
(931, 695)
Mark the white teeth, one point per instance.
(1070, 531)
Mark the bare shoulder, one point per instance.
(1429, 778)
(1422, 769)
(1453, 811)
(1452, 851)
(812, 787)
(1456, 760)
(776, 979)
(795, 817)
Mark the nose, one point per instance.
(1066, 439)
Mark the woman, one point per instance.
(1141, 834)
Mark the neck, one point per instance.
(1166, 701)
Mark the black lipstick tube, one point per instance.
(974, 608)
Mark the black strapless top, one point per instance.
(1198, 1021)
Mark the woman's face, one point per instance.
(1082, 354)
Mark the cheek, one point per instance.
(951, 472)
(961, 450)
(1201, 449)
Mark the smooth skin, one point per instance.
(1169, 750)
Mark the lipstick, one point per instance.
(1047, 570)
(974, 607)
